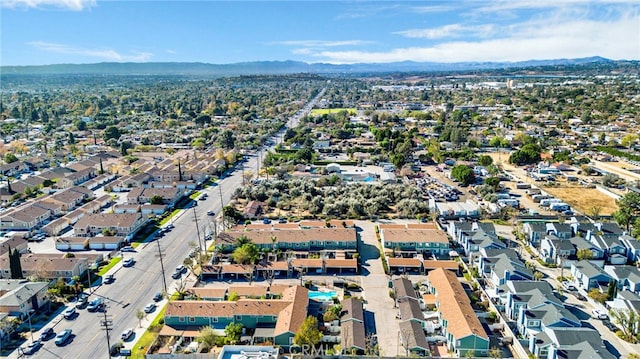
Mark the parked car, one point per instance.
(63, 337)
(47, 334)
(69, 313)
(567, 285)
(181, 268)
(127, 249)
(158, 297)
(599, 314)
(128, 333)
(176, 274)
(129, 262)
(580, 297)
(211, 213)
(150, 308)
(607, 323)
(33, 347)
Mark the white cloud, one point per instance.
(75, 5)
(101, 54)
(432, 9)
(448, 31)
(321, 43)
(508, 5)
(619, 39)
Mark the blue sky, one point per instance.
(37, 32)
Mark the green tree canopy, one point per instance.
(485, 160)
(111, 132)
(308, 334)
(463, 174)
(247, 253)
(530, 153)
(157, 199)
(10, 157)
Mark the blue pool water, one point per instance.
(326, 296)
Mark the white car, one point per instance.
(127, 334)
(567, 285)
(599, 314)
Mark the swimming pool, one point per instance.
(325, 296)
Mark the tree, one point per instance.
(10, 157)
(111, 132)
(628, 209)
(495, 353)
(485, 160)
(207, 336)
(233, 331)
(227, 139)
(584, 254)
(530, 153)
(308, 334)
(248, 253)
(494, 182)
(157, 199)
(15, 266)
(140, 315)
(629, 322)
(463, 174)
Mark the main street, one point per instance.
(134, 287)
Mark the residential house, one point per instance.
(19, 296)
(279, 319)
(427, 242)
(633, 248)
(253, 209)
(23, 218)
(143, 195)
(295, 239)
(413, 339)
(626, 277)
(46, 266)
(68, 199)
(557, 251)
(533, 320)
(613, 248)
(570, 342)
(588, 276)
(119, 224)
(460, 324)
(534, 232)
(516, 295)
(560, 230)
(352, 331)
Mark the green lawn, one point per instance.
(168, 218)
(142, 345)
(112, 263)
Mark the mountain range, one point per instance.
(290, 67)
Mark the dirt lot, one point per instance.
(578, 197)
(583, 199)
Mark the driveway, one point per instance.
(376, 290)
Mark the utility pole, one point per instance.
(164, 279)
(107, 325)
(195, 216)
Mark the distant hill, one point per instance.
(286, 67)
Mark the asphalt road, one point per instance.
(134, 287)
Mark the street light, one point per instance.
(30, 329)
